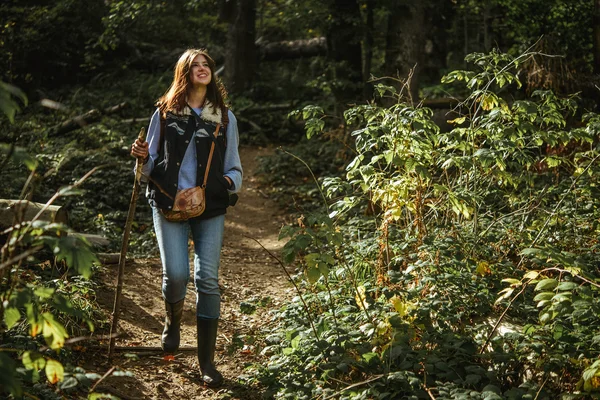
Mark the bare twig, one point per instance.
(106, 375)
(431, 396)
(491, 334)
(313, 175)
(541, 387)
(293, 283)
(9, 154)
(20, 257)
(373, 379)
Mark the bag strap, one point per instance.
(210, 155)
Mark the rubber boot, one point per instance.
(170, 336)
(207, 340)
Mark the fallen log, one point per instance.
(108, 258)
(266, 108)
(25, 210)
(292, 49)
(137, 120)
(96, 241)
(84, 119)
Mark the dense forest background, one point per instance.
(442, 157)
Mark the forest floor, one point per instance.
(249, 277)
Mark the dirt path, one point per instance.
(249, 278)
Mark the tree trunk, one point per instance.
(596, 36)
(487, 29)
(240, 58)
(405, 43)
(368, 48)
(344, 49)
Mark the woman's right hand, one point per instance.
(139, 149)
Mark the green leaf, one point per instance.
(531, 252)
(370, 356)
(33, 360)
(8, 106)
(545, 317)
(54, 333)
(328, 259)
(43, 293)
(123, 373)
(302, 241)
(558, 332)
(472, 379)
(531, 275)
(11, 317)
(54, 371)
(20, 156)
(8, 378)
(77, 254)
(69, 191)
(288, 254)
(247, 308)
(313, 274)
(567, 286)
(457, 121)
(544, 296)
(546, 284)
(102, 396)
(589, 373)
(69, 383)
(312, 259)
(560, 297)
(296, 342)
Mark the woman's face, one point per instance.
(200, 74)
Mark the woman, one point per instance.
(191, 115)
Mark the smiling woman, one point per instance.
(190, 124)
(200, 74)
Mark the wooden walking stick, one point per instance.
(124, 244)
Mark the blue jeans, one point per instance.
(173, 244)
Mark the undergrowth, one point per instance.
(446, 265)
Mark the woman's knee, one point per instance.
(207, 285)
(174, 286)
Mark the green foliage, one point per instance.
(34, 306)
(8, 105)
(566, 27)
(422, 245)
(52, 36)
(150, 24)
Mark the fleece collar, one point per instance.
(208, 112)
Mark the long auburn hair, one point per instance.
(175, 97)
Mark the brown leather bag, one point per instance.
(190, 203)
